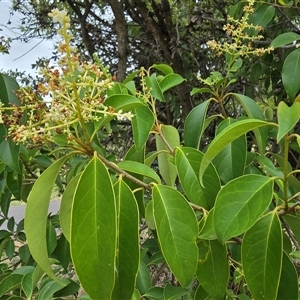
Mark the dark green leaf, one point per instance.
(177, 230)
(262, 257)
(194, 125)
(8, 86)
(170, 81)
(142, 124)
(128, 257)
(143, 280)
(291, 73)
(288, 284)
(213, 268)
(228, 135)
(240, 203)
(284, 39)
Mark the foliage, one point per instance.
(194, 218)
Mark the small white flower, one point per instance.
(58, 15)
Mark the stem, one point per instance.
(124, 173)
(285, 172)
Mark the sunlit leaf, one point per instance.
(36, 213)
(94, 231)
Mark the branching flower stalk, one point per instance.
(77, 92)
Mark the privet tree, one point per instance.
(196, 218)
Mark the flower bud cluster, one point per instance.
(242, 35)
(77, 93)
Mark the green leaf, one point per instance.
(70, 289)
(166, 69)
(284, 39)
(170, 81)
(213, 268)
(228, 135)
(156, 91)
(262, 257)
(36, 213)
(27, 284)
(47, 291)
(143, 280)
(128, 252)
(200, 91)
(10, 283)
(174, 292)
(51, 238)
(293, 222)
(63, 252)
(66, 207)
(166, 168)
(254, 112)
(7, 87)
(10, 249)
(142, 124)
(155, 293)
(94, 231)
(9, 154)
(240, 203)
(194, 125)
(149, 218)
(263, 15)
(139, 168)
(288, 284)
(230, 162)
(187, 162)
(291, 73)
(287, 118)
(177, 230)
(208, 230)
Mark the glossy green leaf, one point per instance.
(70, 289)
(139, 168)
(284, 39)
(10, 283)
(177, 230)
(230, 162)
(174, 292)
(166, 69)
(143, 280)
(287, 118)
(200, 91)
(7, 87)
(9, 154)
(213, 268)
(262, 257)
(240, 203)
(94, 231)
(254, 112)
(51, 238)
(47, 291)
(155, 293)
(156, 91)
(187, 162)
(294, 224)
(128, 253)
(63, 252)
(27, 285)
(10, 249)
(291, 73)
(288, 284)
(124, 102)
(36, 213)
(142, 124)
(194, 125)
(136, 295)
(228, 135)
(170, 81)
(166, 168)
(24, 253)
(263, 15)
(207, 232)
(66, 207)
